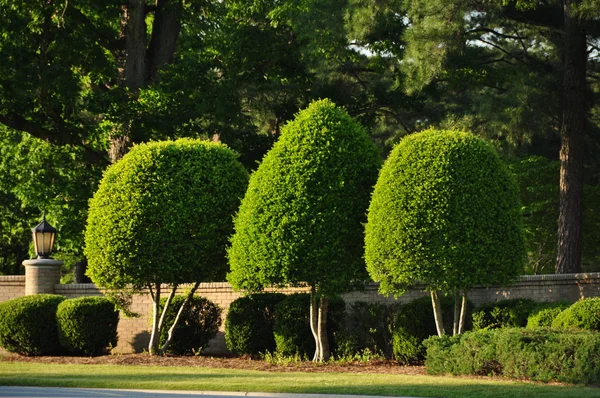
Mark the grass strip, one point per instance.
(214, 379)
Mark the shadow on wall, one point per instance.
(140, 342)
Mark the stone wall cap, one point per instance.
(12, 278)
(42, 262)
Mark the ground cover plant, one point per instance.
(163, 214)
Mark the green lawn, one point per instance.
(213, 379)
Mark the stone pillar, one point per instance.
(41, 274)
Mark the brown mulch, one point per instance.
(379, 366)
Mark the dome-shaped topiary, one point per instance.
(28, 324)
(163, 214)
(87, 325)
(584, 314)
(445, 211)
(302, 217)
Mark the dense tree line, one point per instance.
(81, 82)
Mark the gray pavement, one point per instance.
(53, 392)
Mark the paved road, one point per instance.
(53, 392)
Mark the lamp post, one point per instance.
(42, 273)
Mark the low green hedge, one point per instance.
(503, 313)
(543, 354)
(249, 324)
(28, 324)
(87, 325)
(198, 324)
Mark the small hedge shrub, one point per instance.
(292, 325)
(199, 323)
(249, 324)
(503, 313)
(584, 314)
(414, 322)
(87, 325)
(28, 324)
(571, 356)
(544, 314)
(369, 329)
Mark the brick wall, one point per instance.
(134, 335)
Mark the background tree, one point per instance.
(445, 212)
(301, 219)
(162, 215)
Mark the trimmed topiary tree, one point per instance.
(28, 324)
(445, 212)
(163, 215)
(87, 325)
(301, 221)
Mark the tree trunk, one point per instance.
(135, 44)
(165, 31)
(463, 313)
(455, 326)
(153, 345)
(165, 347)
(574, 117)
(437, 313)
(322, 330)
(314, 322)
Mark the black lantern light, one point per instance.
(43, 238)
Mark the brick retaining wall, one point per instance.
(134, 335)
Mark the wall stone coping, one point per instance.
(12, 278)
(559, 277)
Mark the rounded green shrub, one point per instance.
(584, 314)
(198, 324)
(164, 214)
(249, 324)
(302, 218)
(87, 325)
(503, 313)
(445, 212)
(544, 314)
(292, 327)
(28, 324)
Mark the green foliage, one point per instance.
(503, 313)
(569, 356)
(301, 219)
(445, 211)
(87, 325)
(544, 314)
(163, 214)
(28, 324)
(584, 314)
(249, 324)
(291, 330)
(199, 323)
(414, 322)
(369, 329)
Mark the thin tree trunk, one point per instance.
(165, 31)
(314, 321)
(322, 330)
(463, 313)
(165, 346)
(437, 313)
(574, 118)
(455, 327)
(165, 309)
(153, 345)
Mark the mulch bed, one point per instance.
(387, 367)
